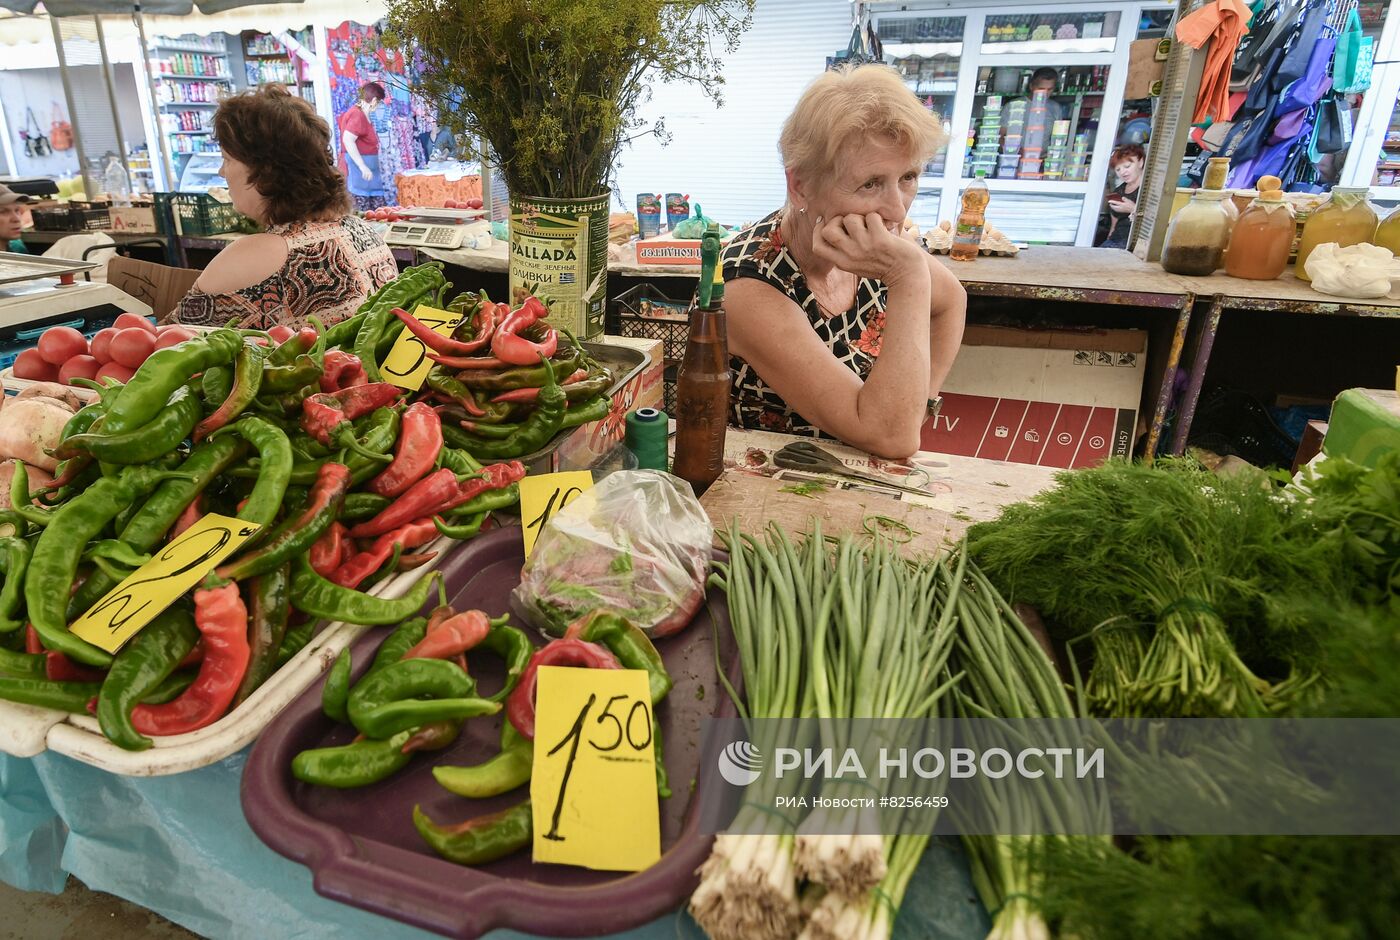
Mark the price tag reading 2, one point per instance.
(593, 785)
(148, 590)
(407, 364)
(542, 496)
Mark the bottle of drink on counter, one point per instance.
(1261, 239)
(702, 388)
(967, 234)
(1346, 218)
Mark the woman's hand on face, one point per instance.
(863, 246)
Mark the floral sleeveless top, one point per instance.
(853, 336)
(331, 268)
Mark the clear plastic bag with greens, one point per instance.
(638, 543)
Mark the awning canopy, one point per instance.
(174, 17)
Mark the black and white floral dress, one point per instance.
(853, 336)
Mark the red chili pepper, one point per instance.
(363, 564)
(328, 552)
(483, 327)
(433, 339)
(420, 442)
(509, 346)
(342, 370)
(195, 656)
(327, 416)
(461, 362)
(438, 492)
(32, 643)
(520, 705)
(451, 637)
(409, 562)
(60, 668)
(530, 394)
(222, 619)
(188, 517)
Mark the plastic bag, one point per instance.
(1353, 271)
(696, 225)
(638, 543)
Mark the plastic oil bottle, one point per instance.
(967, 234)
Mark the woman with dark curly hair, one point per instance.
(315, 257)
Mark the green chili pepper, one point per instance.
(466, 530)
(480, 840)
(632, 647)
(56, 555)
(162, 434)
(363, 506)
(534, 432)
(336, 692)
(515, 648)
(143, 397)
(19, 499)
(274, 470)
(14, 559)
(586, 412)
(459, 461)
(441, 379)
(501, 774)
(46, 693)
(268, 615)
(506, 380)
(295, 641)
(291, 376)
(389, 701)
(12, 524)
(351, 765)
(412, 284)
(343, 333)
(404, 637)
(382, 433)
(216, 384)
(490, 501)
(247, 381)
(170, 687)
(117, 551)
(296, 534)
(23, 665)
(139, 667)
(153, 520)
(663, 782)
(314, 595)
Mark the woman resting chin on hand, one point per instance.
(839, 325)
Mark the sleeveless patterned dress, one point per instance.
(331, 268)
(853, 336)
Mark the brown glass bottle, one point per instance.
(702, 388)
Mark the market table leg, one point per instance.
(1164, 394)
(1205, 342)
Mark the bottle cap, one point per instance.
(1268, 183)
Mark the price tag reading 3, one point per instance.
(593, 786)
(542, 496)
(407, 364)
(148, 590)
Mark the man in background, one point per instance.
(11, 219)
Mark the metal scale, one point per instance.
(447, 229)
(48, 291)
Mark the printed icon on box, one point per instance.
(1033, 436)
(1064, 438)
(1096, 442)
(1083, 357)
(1001, 431)
(1127, 359)
(1102, 358)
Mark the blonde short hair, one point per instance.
(849, 104)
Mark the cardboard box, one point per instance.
(133, 220)
(1053, 398)
(1365, 424)
(668, 251)
(1144, 69)
(159, 285)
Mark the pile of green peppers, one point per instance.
(217, 424)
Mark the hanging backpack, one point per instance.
(1355, 58)
(60, 131)
(35, 143)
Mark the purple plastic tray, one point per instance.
(361, 845)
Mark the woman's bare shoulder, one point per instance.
(246, 261)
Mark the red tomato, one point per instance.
(61, 343)
(281, 333)
(131, 347)
(475, 204)
(30, 365)
(79, 367)
(128, 320)
(116, 371)
(101, 348)
(452, 204)
(173, 336)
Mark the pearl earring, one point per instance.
(802, 210)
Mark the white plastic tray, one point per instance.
(26, 731)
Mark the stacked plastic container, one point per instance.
(1033, 144)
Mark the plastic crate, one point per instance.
(644, 312)
(16, 339)
(199, 214)
(72, 217)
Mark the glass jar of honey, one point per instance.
(1388, 234)
(1261, 239)
(1346, 218)
(1196, 240)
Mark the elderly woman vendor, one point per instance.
(838, 324)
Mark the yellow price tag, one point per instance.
(544, 495)
(593, 783)
(148, 590)
(407, 364)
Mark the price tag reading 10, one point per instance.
(593, 785)
(407, 364)
(543, 495)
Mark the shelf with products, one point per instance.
(1050, 33)
(190, 42)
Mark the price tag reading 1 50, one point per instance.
(593, 785)
(407, 364)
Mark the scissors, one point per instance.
(803, 455)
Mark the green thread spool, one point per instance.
(647, 435)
